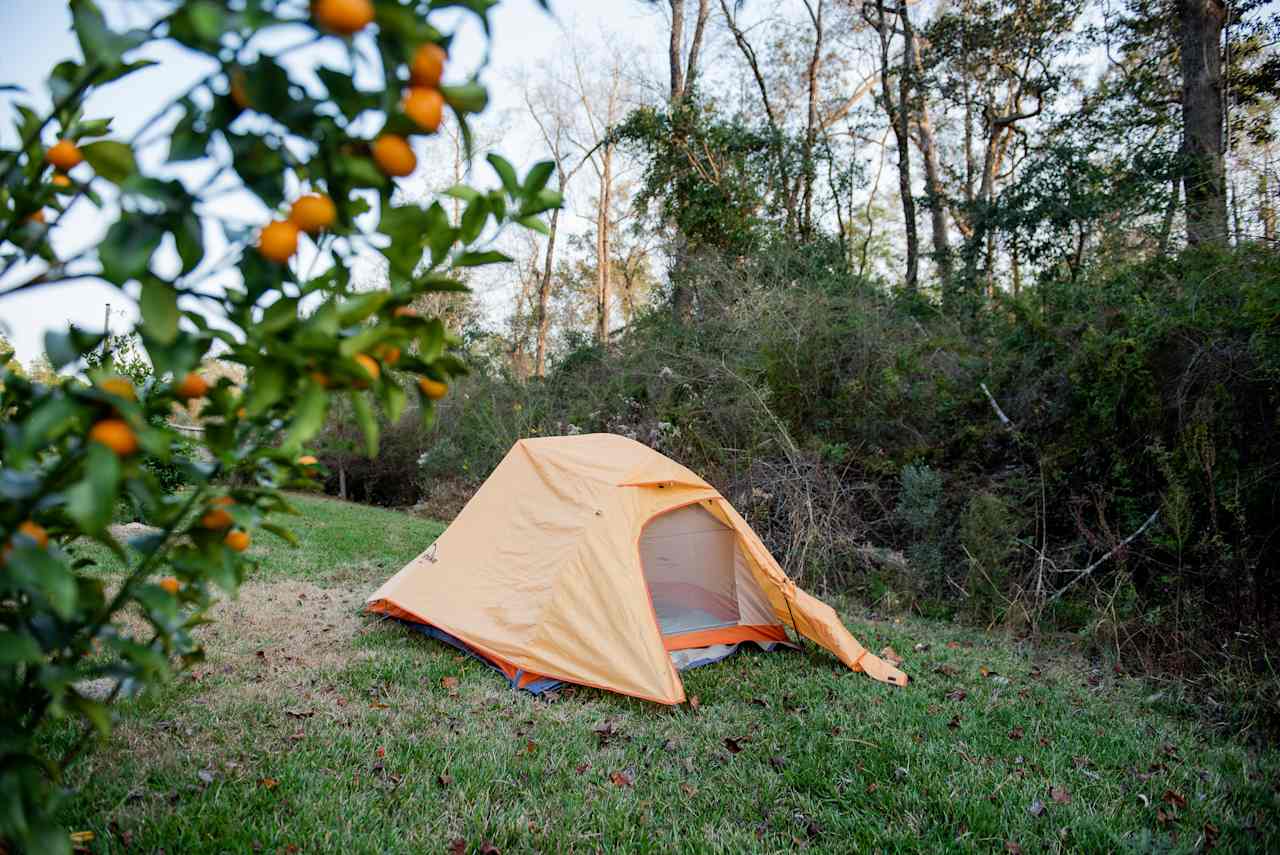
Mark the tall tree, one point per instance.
(1204, 175)
(896, 108)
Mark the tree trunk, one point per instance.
(811, 124)
(544, 297)
(675, 51)
(342, 480)
(1203, 176)
(603, 287)
(1166, 224)
(898, 119)
(932, 170)
(1266, 211)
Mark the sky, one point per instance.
(38, 36)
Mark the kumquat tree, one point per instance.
(323, 160)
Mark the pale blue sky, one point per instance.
(38, 35)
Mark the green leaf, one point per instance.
(279, 314)
(38, 571)
(308, 418)
(99, 44)
(160, 315)
(110, 159)
(368, 424)
(467, 98)
(358, 308)
(267, 385)
(48, 422)
(534, 224)
(188, 235)
(126, 251)
(539, 175)
(506, 172)
(282, 533)
(91, 502)
(393, 400)
(473, 220)
(17, 648)
(477, 259)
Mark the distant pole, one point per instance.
(106, 332)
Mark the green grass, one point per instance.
(314, 727)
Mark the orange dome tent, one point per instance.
(596, 560)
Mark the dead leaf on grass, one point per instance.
(300, 713)
(458, 847)
(946, 670)
(445, 780)
(268, 783)
(1016, 733)
(623, 778)
(957, 695)
(1060, 795)
(778, 762)
(888, 654)
(695, 703)
(1012, 848)
(734, 744)
(451, 684)
(79, 838)
(582, 768)
(488, 848)
(379, 705)
(689, 790)
(1175, 798)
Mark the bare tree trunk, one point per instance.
(675, 51)
(932, 170)
(1203, 177)
(811, 125)
(1166, 224)
(681, 295)
(603, 287)
(898, 119)
(1266, 211)
(544, 297)
(342, 480)
(784, 174)
(695, 47)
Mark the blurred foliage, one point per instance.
(78, 442)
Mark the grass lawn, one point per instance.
(313, 728)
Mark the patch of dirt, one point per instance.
(127, 530)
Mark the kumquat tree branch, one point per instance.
(323, 162)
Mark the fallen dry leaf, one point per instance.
(952, 645)
(381, 752)
(379, 705)
(622, 779)
(450, 684)
(694, 702)
(1016, 733)
(79, 838)
(888, 654)
(458, 846)
(582, 768)
(778, 762)
(955, 722)
(488, 848)
(734, 744)
(444, 779)
(689, 790)
(984, 670)
(1210, 836)
(946, 670)
(957, 695)
(530, 747)
(1060, 795)
(1012, 848)
(1175, 798)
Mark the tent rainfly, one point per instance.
(596, 560)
